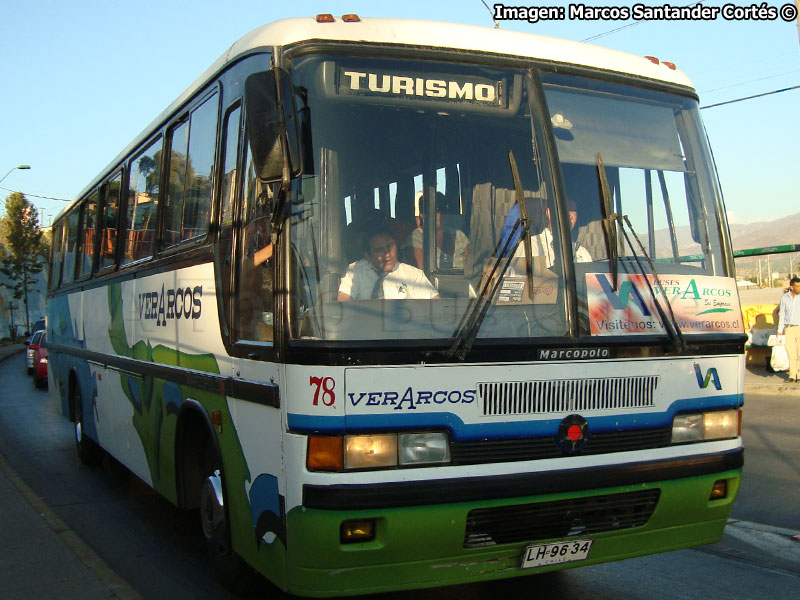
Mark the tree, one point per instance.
(25, 253)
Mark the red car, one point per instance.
(40, 363)
(33, 344)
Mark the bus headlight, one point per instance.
(377, 451)
(422, 448)
(713, 425)
(370, 451)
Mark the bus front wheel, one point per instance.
(228, 566)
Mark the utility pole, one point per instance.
(760, 281)
(27, 316)
(13, 327)
(769, 270)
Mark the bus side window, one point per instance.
(144, 176)
(255, 312)
(70, 242)
(109, 219)
(55, 259)
(230, 188)
(86, 240)
(188, 205)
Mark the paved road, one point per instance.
(771, 487)
(156, 548)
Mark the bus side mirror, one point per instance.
(272, 125)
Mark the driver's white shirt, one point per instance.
(403, 283)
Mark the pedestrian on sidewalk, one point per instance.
(789, 326)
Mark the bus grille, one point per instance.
(567, 395)
(559, 519)
(493, 451)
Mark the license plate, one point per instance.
(556, 553)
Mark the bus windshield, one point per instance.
(406, 224)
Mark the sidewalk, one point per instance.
(758, 380)
(40, 556)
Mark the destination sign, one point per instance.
(456, 89)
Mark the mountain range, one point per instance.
(779, 232)
(785, 230)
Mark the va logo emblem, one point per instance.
(627, 292)
(711, 375)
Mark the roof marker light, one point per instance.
(669, 65)
(325, 18)
(652, 59)
(351, 18)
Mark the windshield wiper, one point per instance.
(467, 330)
(671, 323)
(523, 218)
(610, 220)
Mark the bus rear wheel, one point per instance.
(229, 567)
(89, 453)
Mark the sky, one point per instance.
(79, 80)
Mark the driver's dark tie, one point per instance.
(377, 289)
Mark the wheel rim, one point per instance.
(78, 422)
(212, 508)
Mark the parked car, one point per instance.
(32, 346)
(40, 363)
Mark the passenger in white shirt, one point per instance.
(452, 245)
(542, 243)
(380, 275)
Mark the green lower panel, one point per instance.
(423, 546)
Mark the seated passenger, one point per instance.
(542, 243)
(452, 246)
(380, 275)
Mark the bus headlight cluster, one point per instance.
(377, 451)
(712, 425)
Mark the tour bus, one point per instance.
(567, 389)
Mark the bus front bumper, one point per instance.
(422, 536)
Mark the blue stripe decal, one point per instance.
(516, 429)
(315, 424)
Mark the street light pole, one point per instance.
(12, 169)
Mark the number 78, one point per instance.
(327, 385)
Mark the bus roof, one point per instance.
(452, 35)
(430, 34)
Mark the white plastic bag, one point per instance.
(780, 358)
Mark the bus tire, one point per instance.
(89, 452)
(236, 575)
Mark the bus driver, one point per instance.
(380, 275)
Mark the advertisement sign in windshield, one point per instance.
(700, 304)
